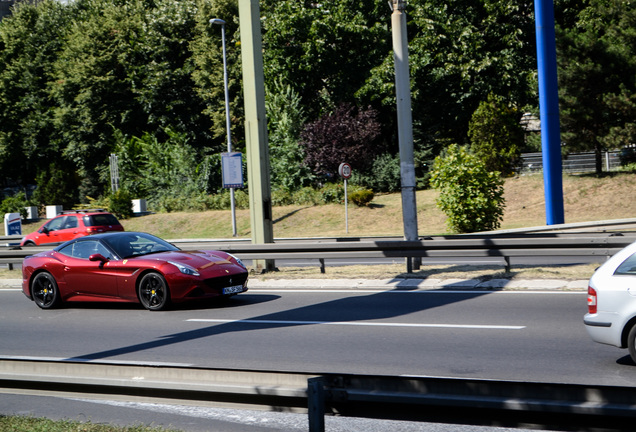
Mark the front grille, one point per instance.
(227, 281)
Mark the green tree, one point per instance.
(167, 172)
(285, 117)
(470, 196)
(94, 87)
(164, 76)
(460, 51)
(496, 135)
(30, 41)
(324, 50)
(56, 187)
(207, 73)
(597, 78)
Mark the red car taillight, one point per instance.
(591, 300)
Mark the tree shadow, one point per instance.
(354, 308)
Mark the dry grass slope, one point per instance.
(586, 198)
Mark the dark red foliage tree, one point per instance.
(346, 135)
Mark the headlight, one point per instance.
(185, 269)
(238, 261)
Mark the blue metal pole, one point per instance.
(549, 111)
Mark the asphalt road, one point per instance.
(516, 335)
(533, 336)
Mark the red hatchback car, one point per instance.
(72, 224)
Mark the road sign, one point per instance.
(344, 170)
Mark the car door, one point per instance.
(85, 277)
(69, 229)
(50, 231)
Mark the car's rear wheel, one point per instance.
(44, 291)
(153, 292)
(631, 343)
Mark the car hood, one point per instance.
(199, 260)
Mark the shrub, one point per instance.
(361, 198)
(121, 204)
(14, 204)
(332, 193)
(281, 197)
(306, 196)
(384, 175)
(471, 197)
(496, 135)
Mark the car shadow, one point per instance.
(626, 361)
(214, 303)
(354, 308)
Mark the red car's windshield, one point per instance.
(136, 244)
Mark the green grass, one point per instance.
(32, 424)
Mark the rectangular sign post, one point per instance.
(12, 224)
(232, 167)
(232, 173)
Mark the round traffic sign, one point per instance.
(344, 170)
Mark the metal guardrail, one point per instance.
(432, 399)
(500, 248)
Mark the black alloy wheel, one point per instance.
(153, 292)
(44, 291)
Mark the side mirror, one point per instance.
(44, 230)
(98, 257)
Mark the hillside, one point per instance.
(586, 198)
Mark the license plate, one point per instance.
(233, 289)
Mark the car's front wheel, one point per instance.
(44, 291)
(153, 292)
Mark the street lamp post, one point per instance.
(218, 21)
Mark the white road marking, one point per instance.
(359, 323)
(407, 291)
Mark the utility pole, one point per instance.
(405, 124)
(257, 151)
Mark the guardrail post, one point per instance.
(507, 259)
(322, 265)
(316, 404)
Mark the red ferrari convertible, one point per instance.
(129, 267)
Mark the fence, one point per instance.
(572, 163)
(497, 248)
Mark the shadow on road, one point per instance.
(354, 308)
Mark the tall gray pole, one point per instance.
(405, 122)
(220, 22)
(256, 129)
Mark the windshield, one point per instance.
(137, 244)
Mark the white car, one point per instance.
(611, 302)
